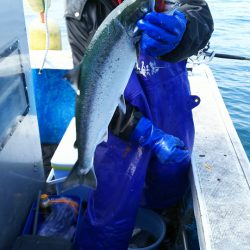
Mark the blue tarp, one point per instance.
(55, 103)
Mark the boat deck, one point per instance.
(220, 173)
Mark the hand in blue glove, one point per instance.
(166, 147)
(161, 33)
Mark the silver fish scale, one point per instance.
(104, 86)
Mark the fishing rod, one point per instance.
(226, 56)
(211, 55)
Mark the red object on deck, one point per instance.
(160, 6)
(116, 2)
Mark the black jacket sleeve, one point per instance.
(199, 29)
(123, 125)
(83, 17)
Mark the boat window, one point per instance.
(14, 102)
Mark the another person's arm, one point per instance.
(171, 38)
(139, 130)
(198, 31)
(176, 37)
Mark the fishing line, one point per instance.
(47, 35)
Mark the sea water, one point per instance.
(231, 36)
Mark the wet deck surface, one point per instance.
(220, 174)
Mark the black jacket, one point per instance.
(83, 17)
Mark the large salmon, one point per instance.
(104, 73)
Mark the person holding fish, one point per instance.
(146, 158)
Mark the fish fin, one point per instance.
(105, 137)
(122, 105)
(73, 77)
(90, 180)
(76, 179)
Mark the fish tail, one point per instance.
(75, 179)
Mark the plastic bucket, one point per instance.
(154, 224)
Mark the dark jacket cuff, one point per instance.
(123, 125)
(199, 29)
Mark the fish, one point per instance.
(105, 70)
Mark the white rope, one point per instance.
(47, 35)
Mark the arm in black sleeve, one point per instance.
(122, 125)
(83, 17)
(198, 31)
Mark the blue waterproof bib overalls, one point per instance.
(130, 176)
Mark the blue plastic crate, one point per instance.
(28, 227)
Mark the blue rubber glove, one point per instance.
(166, 147)
(161, 33)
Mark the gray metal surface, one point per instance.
(13, 91)
(21, 171)
(220, 172)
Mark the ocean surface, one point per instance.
(231, 36)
